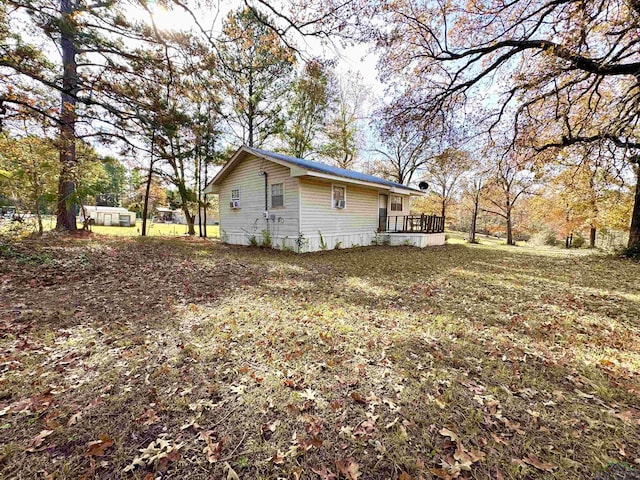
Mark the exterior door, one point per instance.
(382, 212)
(107, 219)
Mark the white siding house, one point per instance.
(309, 206)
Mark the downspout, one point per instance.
(266, 197)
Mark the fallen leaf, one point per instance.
(278, 458)
(36, 441)
(348, 468)
(534, 461)
(498, 439)
(74, 419)
(442, 474)
(231, 473)
(149, 417)
(358, 398)
(445, 432)
(98, 447)
(324, 474)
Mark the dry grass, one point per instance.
(467, 362)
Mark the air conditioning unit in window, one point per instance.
(341, 204)
(235, 204)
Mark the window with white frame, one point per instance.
(396, 203)
(235, 198)
(339, 196)
(277, 195)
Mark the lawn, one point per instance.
(186, 358)
(153, 229)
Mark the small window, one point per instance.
(339, 196)
(235, 199)
(277, 195)
(396, 203)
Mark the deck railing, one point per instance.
(415, 223)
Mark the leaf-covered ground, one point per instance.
(159, 358)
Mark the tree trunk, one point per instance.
(474, 220)
(145, 208)
(206, 179)
(592, 237)
(38, 216)
(250, 112)
(509, 227)
(199, 190)
(190, 220)
(634, 230)
(65, 209)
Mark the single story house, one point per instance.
(286, 202)
(116, 216)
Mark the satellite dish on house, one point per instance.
(423, 186)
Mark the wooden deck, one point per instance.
(415, 224)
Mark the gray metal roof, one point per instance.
(328, 169)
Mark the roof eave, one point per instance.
(211, 186)
(408, 191)
(300, 172)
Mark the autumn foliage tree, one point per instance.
(511, 179)
(444, 172)
(566, 70)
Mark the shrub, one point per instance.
(266, 239)
(578, 241)
(632, 252)
(550, 239)
(338, 245)
(323, 244)
(253, 241)
(301, 242)
(545, 237)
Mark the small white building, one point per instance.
(267, 197)
(108, 216)
(168, 215)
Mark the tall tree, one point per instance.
(343, 130)
(405, 151)
(444, 172)
(256, 68)
(100, 52)
(33, 164)
(513, 178)
(311, 95)
(473, 190)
